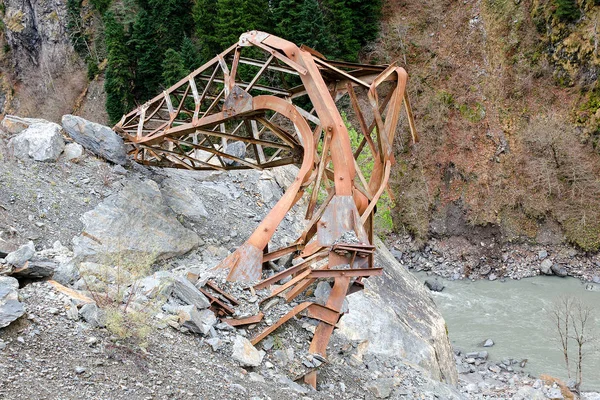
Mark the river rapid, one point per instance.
(515, 314)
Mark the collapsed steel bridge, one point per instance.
(265, 102)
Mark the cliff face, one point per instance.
(42, 75)
(36, 33)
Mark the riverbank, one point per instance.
(458, 258)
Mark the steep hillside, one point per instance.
(505, 98)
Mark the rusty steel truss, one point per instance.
(277, 104)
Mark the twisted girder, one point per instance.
(250, 111)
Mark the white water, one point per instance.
(515, 315)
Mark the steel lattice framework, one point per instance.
(265, 102)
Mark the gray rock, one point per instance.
(488, 343)
(285, 176)
(268, 343)
(554, 394)
(10, 307)
(159, 284)
(188, 293)
(214, 343)
(382, 388)
(407, 322)
(434, 285)
(73, 151)
(486, 269)
(73, 311)
(397, 254)
(66, 273)
(183, 199)
(546, 267)
(119, 170)
(495, 369)
(322, 292)
(492, 277)
(293, 385)
(244, 353)
(197, 321)
(559, 271)
(283, 357)
(35, 270)
(98, 139)
(236, 149)
(93, 315)
(79, 370)
(19, 257)
(13, 124)
(472, 388)
(542, 254)
(254, 377)
(590, 396)
(529, 393)
(596, 279)
(40, 141)
(132, 226)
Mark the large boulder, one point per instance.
(13, 124)
(398, 318)
(230, 205)
(99, 139)
(20, 256)
(134, 225)
(10, 307)
(41, 141)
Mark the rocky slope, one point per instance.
(144, 239)
(504, 93)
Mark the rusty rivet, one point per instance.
(341, 178)
(266, 229)
(329, 128)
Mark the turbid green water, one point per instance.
(515, 315)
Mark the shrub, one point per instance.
(114, 286)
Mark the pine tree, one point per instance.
(118, 79)
(190, 55)
(311, 27)
(286, 16)
(236, 17)
(173, 68)
(302, 23)
(338, 18)
(204, 13)
(147, 53)
(365, 19)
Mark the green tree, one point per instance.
(567, 10)
(190, 55)
(204, 13)
(365, 17)
(302, 23)
(236, 17)
(159, 25)
(147, 53)
(101, 5)
(338, 18)
(118, 80)
(173, 68)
